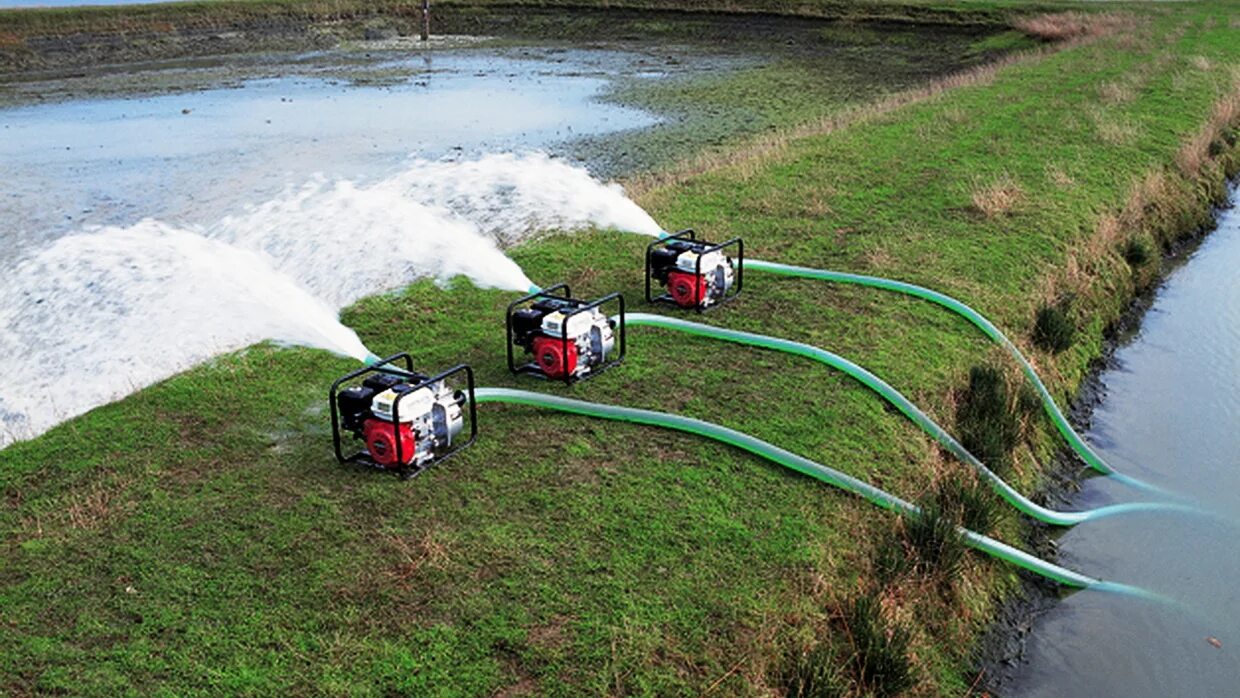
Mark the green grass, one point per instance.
(806, 71)
(197, 537)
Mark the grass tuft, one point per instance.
(936, 546)
(815, 674)
(966, 501)
(1053, 329)
(988, 426)
(997, 198)
(879, 663)
(1136, 252)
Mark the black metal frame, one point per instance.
(689, 236)
(409, 470)
(579, 307)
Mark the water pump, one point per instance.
(697, 274)
(407, 421)
(569, 339)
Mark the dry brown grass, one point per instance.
(1198, 151)
(1058, 176)
(1144, 198)
(815, 206)
(1114, 129)
(9, 40)
(87, 509)
(1202, 63)
(1117, 92)
(878, 258)
(1062, 26)
(997, 198)
(413, 554)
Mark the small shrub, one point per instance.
(1053, 330)
(934, 541)
(879, 663)
(815, 674)
(1136, 252)
(988, 426)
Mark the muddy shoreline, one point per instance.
(52, 51)
(1001, 654)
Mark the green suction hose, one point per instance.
(978, 320)
(760, 448)
(893, 396)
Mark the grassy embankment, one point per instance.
(197, 536)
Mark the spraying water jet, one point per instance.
(99, 315)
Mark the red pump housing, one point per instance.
(549, 353)
(686, 288)
(380, 437)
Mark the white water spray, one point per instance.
(345, 241)
(95, 316)
(512, 196)
(436, 219)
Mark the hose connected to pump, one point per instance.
(833, 477)
(893, 396)
(978, 320)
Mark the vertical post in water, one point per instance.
(426, 19)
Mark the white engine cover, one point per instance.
(590, 332)
(432, 413)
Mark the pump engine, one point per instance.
(406, 420)
(569, 339)
(697, 274)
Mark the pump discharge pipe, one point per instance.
(907, 408)
(790, 460)
(988, 328)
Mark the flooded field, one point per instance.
(295, 157)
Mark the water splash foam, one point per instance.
(99, 314)
(509, 196)
(345, 241)
(95, 316)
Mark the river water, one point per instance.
(1170, 417)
